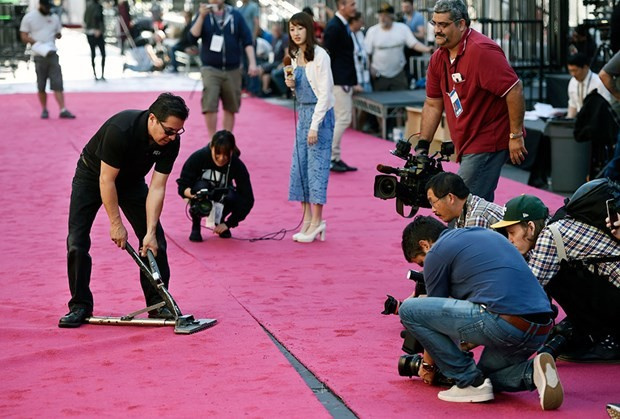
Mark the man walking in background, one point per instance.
(338, 42)
(40, 28)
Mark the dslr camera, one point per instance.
(409, 365)
(205, 194)
(409, 184)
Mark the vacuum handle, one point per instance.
(139, 261)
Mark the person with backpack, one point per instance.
(576, 258)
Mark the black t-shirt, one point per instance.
(124, 143)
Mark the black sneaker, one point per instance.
(195, 235)
(347, 167)
(74, 318)
(66, 115)
(161, 313)
(605, 351)
(337, 166)
(225, 234)
(45, 114)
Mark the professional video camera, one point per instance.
(410, 190)
(205, 194)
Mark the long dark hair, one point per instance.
(305, 20)
(223, 142)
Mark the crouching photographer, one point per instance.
(216, 183)
(490, 299)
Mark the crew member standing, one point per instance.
(338, 42)
(111, 171)
(484, 104)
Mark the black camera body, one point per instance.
(207, 193)
(410, 189)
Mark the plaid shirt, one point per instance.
(479, 213)
(580, 241)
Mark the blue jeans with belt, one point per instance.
(481, 172)
(440, 323)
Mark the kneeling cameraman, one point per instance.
(207, 181)
(484, 298)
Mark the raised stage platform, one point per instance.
(386, 105)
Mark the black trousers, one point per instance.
(85, 203)
(94, 43)
(590, 302)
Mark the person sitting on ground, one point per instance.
(590, 301)
(217, 168)
(451, 200)
(149, 54)
(481, 297)
(184, 44)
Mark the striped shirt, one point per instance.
(478, 212)
(581, 241)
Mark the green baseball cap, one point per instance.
(522, 208)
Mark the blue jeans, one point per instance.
(440, 323)
(481, 171)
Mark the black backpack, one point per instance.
(588, 205)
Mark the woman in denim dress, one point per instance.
(313, 85)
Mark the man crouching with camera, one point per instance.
(217, 183)
(482, 297)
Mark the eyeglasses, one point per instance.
(170, 131)
(442, 25)
(437, 200)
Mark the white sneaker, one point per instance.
(547, 382)
(482, 393)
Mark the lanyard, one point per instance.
(580, 90)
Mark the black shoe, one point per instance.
(336, 166)
(195, 236)
(605, 351)
(161, 313)
(347, 167)
(225, 234)
(74, 318)
(66, 115)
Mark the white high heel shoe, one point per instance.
(305, 226)
(311, 235)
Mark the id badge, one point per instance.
(456, 103)
(217, 41)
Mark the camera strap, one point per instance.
(400, 209)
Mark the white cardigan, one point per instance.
(319, 74)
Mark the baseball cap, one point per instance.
(386, 8)
(47, 3)
(522, 208)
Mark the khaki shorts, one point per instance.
(48, 68)
(224, 84)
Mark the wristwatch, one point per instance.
(514, 136)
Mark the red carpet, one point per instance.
(322, 300)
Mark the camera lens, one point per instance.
(385, 186)
(408, 365)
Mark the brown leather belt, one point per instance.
(524, 326)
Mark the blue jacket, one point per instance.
(236, 35)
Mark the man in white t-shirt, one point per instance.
(41, 28)
(583, 82)
(385, 43)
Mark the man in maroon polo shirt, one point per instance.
(470, 78)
